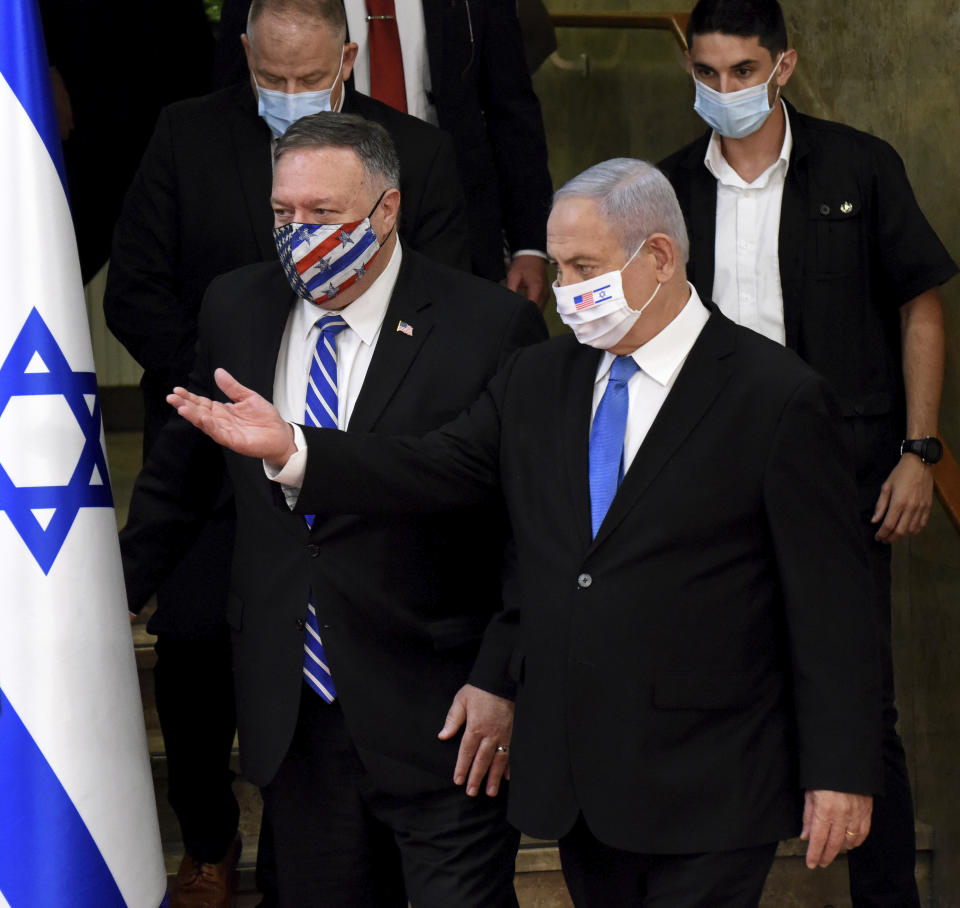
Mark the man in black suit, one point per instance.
(359, 792)
(465, 69)
(809, 232)
(691, 689)
(199, 207)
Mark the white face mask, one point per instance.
(280, 109)
(735, 114)
(596, 310)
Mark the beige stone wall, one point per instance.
(893, 69)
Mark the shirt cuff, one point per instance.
(290, 476)
(538, 253)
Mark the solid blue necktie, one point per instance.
(321, 411)
(606, 440)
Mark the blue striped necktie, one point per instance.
(606, 440)
(321, 411)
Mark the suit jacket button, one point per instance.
(313, 549)
(824, 210)
(300, 624)
(584, 581)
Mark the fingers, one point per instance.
(834, 822)
(883, 503)
(230, 386)
(456, 716)
(807, 817)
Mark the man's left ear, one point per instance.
(665, 255)
(787, 65)
(389, 209)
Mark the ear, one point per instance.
(389, 209)
(245, 41)
(661, 247)
(787, 66)
(350, 51)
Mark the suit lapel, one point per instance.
(700, 381)
(793, 217)
(433, 26)
(395, 350)
(702, 221)
(267, 322)
(251, 142)
(576, 403)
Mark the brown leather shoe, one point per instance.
(207, 885)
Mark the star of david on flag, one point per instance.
(36, 381)
(78, 820)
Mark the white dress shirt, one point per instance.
(413, 44)
(660, 360)
(746, 276)
(355, 345)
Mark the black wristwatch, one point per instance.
(929, 450)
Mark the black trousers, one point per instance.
(599, 876)
(342, 841)
(882, 868)
(195, 704)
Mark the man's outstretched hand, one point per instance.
(249, 425)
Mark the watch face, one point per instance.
(932, 450)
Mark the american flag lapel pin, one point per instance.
(405, 328)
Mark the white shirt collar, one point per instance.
(662, 356)
(717, 164)
(366, 313)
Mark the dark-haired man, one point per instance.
(198, 207)
(809, 233)
(351, 636)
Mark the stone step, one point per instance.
(539, 882)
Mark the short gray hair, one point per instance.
(329, 12)
(637, 200)
(369, 140)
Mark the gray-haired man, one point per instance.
(690, 690)
(353, 636)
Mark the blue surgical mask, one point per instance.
(280, 110)
(735, 114)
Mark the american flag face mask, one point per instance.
(322, 260)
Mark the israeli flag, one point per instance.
(78, 822)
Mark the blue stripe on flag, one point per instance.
(23, 64)
(348, 258)
(41, 831)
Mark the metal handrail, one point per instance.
(675, 23)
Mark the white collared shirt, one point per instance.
(355, 346)
(413, 44)
(660, 360)
(746, 275)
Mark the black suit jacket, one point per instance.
(199, 207)
(713, 651)
(401, 603)
(484, 98)
(853, 247)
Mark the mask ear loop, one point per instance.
(372, 210)
(776, 66)
(635, 254)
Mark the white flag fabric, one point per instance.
(78, 822)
